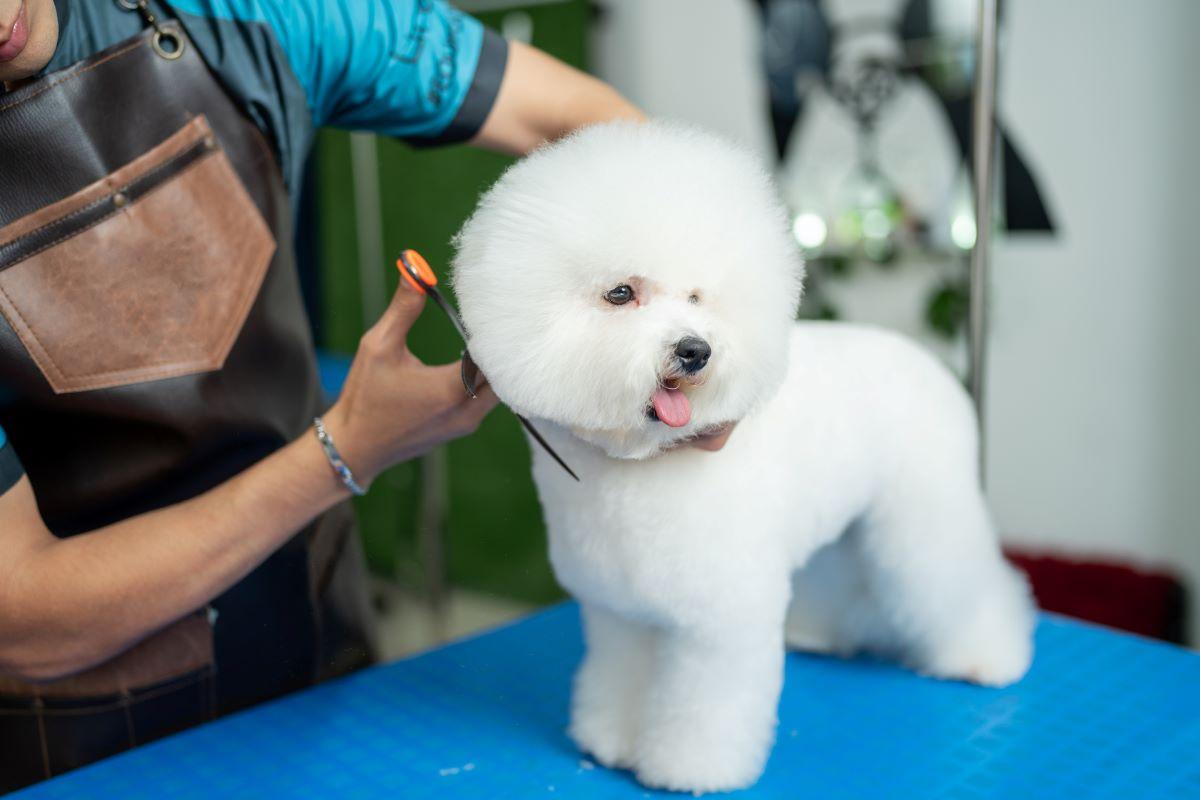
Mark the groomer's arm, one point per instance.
(67, 604)
(542, 99)
(424, 72)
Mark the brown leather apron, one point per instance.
(152, 345)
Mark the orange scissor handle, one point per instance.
(416, 270)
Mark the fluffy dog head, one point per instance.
(633, 283)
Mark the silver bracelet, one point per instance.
(335, 458)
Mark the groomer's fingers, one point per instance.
(484, 401)
(470, 413)
(461, 412)
(452, 392)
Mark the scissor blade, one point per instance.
(445, 306)
(545, 445)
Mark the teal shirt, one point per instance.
(419, 70)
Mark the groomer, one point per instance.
(174, 538)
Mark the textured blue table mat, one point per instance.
(332, 369)
(1100, 715)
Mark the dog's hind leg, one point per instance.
(945, 601)
(610, 686)
(831, 610)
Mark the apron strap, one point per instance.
(167, 42)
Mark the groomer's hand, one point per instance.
(393, 407)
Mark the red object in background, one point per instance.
(1140, 601)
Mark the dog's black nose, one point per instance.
(692, 353)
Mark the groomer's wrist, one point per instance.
(353, 449)
(319, 488)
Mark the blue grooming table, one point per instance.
(1100, 715)
(332, 369)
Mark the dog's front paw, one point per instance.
(691, 765)
(602, 732)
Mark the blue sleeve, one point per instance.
(416, 69)
(10, 467)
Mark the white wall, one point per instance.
(694, 60)
(1095, 379)
(1094, 392)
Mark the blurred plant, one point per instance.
(946, 311)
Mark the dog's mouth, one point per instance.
(669, 405)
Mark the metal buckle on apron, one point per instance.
(167, 43)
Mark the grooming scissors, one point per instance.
(416, 270)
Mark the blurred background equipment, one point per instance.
(880, 65)
(865, 108)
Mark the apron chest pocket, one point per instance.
(148, 273)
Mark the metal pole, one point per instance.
(432, 512)
(982, 152)
(431, 538)
(368, 226)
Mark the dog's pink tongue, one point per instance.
(672, 407)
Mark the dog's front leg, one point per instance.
(610, 686)
(710, 715)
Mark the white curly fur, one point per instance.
(843, 515)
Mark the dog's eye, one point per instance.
(620, 295)
(694, 298)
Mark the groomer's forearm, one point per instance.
(72, 603)
(542, 99)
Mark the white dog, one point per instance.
(636, 285)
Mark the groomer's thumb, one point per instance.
(401, 313)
